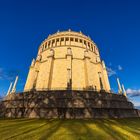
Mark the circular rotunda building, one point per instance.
(67, 60)
(68, 80)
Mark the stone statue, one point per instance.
(33, 62)
(103, 64)
(39, 58)
(69, 52)
(86, 53)
(51, 52)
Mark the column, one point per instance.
(8, 92)
(119, 86)
(124, 92)
(55, 42)
(65, 41)
(14, 86)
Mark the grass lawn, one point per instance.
(96, 129)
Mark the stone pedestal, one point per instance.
(67, 104)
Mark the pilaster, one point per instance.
(86, 63)
(69, 68)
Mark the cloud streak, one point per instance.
(120, 67)
(136, 103)
(8, 74)
(111, 72)
(133, 92)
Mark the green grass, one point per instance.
(96, 129)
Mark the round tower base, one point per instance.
(67, 105)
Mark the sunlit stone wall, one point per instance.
(67, 60)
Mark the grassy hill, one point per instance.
(96, 129)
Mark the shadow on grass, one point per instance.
(97, 129)
(75, 130)
(56, 124)
(32, 129)
(92, 133)
(12, 123)
(105, 125)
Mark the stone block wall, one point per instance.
(67, 104)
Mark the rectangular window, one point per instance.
(53, 41)
(62, 39)
(45, 45)
(80, 40)
(49, 44)
(92, 48)
(76, 39)
(85, 42)
(88, 44)
(67, 39)
(71, 39)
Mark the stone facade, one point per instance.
(67, 60)
(67, 104)
(68, 79)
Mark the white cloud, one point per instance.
(136, 103)
(133, 92)
(111, 72)
(120, 67)
(8, 74)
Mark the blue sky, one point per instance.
(113, 25)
